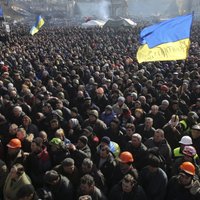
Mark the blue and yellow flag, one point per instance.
(39, 23)
(168, 40)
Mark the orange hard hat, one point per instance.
(126, 157)
(188, 167)
(14, 143)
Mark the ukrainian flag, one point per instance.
(168, 40)
(39, 23)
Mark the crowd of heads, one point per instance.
(73, 100)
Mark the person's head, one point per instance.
(68, 165)
(138, 113)
(87, 165)
(158, 136)
(136, 140)
(85, 197)
(14, 146)
(105, 141)
(108, 109)
(60, 134)
(26, 192)
(82, 142)
(73, 123)
(164, 104)
(142, 99)
(186, 174)
(16, 171)
(174, 121)
(100, 92)
(104, 151)
(87, 184)
(193, 117)
(195, 131)
(189, 152)
(17, 110)
(121, 101)
(74, 112)
(56, 144)
(148, 122)
(13, 129)
(128, 182)
(43, 135)
(36, 145)
(130, 129)
(114, 125)
(93, 115)
(185, 141)
(51, 177)
(88, 131)
(21, 133)
(87, 101)
(154, 109)
(54, 124)
(46, 108)
(125, 161)
(59, 104)
(154, 162)
(26, 120)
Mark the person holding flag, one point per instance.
(168, 40)
(39, 23)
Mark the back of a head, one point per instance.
(51, 176)
(25, 191)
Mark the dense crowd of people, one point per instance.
(80, 119)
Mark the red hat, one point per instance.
(4, 68)
(164, 88)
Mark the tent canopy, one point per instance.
(93, 23)
(120, 22)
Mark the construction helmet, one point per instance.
(188, 168)
(55, 141)
(126, 157)
(189, 151)
(14, 143)
(193, 115)
(94, 113)
(186, 140)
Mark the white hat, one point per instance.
(186, 140)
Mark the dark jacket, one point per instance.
(176, 191)
(74, 177)
(62, 190)
(107, 167)
(163, 147)
(139, 153)
(117, 193)
(154, 184)
(118, 175)
(36, 166)
(80, 154)
(95, 195)
(146, 134)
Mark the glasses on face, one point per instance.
(103, 149)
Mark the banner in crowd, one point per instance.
(1, 13)
(39, 23)
(168, 40)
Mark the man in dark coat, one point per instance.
(184, 186)
(38, 162)
(59, 185)
(87, 187)
(138, 150)
(127, 189)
